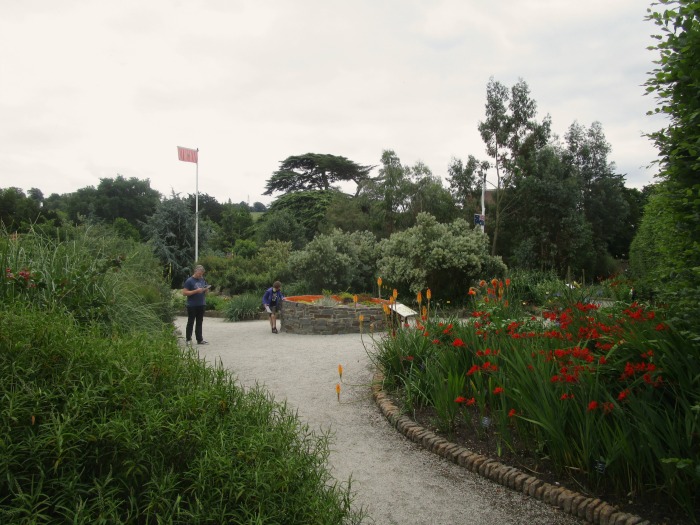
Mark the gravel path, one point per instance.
(395, 480)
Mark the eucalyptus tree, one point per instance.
(512, 136)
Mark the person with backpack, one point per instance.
(272, 302)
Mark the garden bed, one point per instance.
(300, 315)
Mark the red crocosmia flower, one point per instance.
(473, 369)
(650, 315)
(482, 283)
(458, 342)
(608, 407)
(512, 412)
(426, 334)
(593, 405)
(409, 358)
(436, 341)
(460, 399)
(507, 282)
(494, 282)
(660, 327)
(566, 396)
(623, 395)
(470, 402)
(497, 390)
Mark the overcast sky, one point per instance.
(93, 89)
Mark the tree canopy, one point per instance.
(315, 171)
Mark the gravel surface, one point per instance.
(394, 480)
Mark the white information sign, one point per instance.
(403, 310)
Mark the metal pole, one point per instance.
(483, 206)
(196, 213)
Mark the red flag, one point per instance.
(187, 154)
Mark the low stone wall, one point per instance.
(305, 318)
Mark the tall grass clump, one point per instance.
(243, 307)
(608, 395)
(105, 419)
(94, 276)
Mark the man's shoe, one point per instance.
(274, 330)
(188, 342)
(202, 342)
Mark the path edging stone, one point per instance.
(593, 510)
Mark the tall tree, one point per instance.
(209, 207)
(602, 196)
(392, 189)
(236, 223)
(676, 84)
(511, 135)
(315, 171)
(466, 181)
(170, 231)
(131, 199)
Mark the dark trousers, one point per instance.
(195, 316)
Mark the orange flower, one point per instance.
(379, 282)
(424, 312)
(419, 297)
(472, 291)
(337, 391)
(428, 294)
(507, 282)
(482, 283)
(494, 282)
(361, 318)
(340, 371)
(386, 309)
(498, 390)
(512, 412)
(395, 294)
(354, 298)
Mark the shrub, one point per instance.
(131, 430)
(447, 258)
(338, 261)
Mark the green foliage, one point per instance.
(444, 257)
(96, 277)
(676, 84)
(314, 172)
(121, 430)
(338, 260)
(238, 274)
(580, 382)
(244, 307)
(235, 224)
(19, 212)
(170, 232)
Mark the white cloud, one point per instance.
(96, 89)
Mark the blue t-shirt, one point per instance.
(197, 299)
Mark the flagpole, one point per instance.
(196, 212)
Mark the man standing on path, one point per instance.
(195, 290)
(272, 301)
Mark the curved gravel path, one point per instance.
(395, 480)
